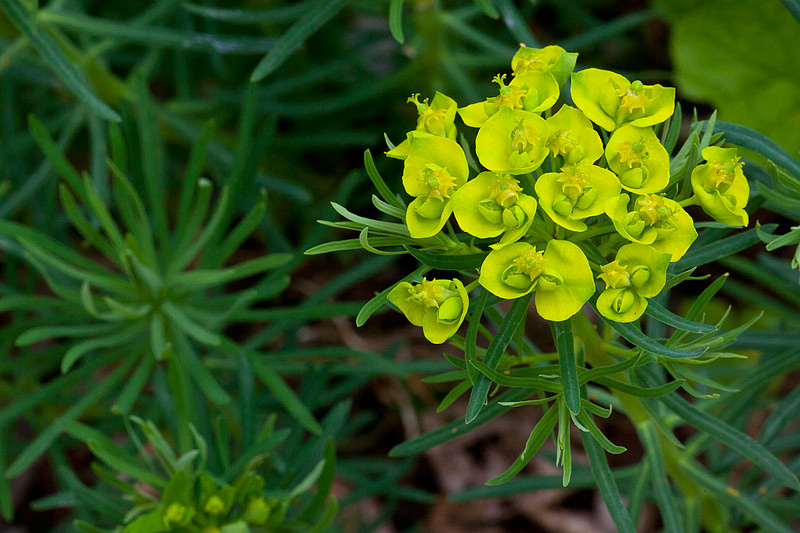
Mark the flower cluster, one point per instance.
(570, 196)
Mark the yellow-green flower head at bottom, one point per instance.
(512, 141)
(720, 186)
(610, 100)
(638, 272)
(437, 118)
(655, 221)
(576, 193)
(492, 204)
(573, 138)
(532, 91)
(639, 159)
(434, 169)
(439, 306)
(561, 276)
(552, 59)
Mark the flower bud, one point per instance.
(214, 505)
(586, 199)
(432, 209)
(575, 155)
(514, 217)
(176, 513)
(450, 310)
(633, 178)
(633, 224)
(624, 301)
(491, 211)
(562, 205)
(549, 280)
(257, 511)
(636, 86)
(640, 274)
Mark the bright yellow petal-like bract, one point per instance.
(552, 59)
(436, 118)
(439, 306)
(576, 193)
(532, 91)
(720, 186)
(560, 275)
(610, 100)
(639, 159)
(638, 272)
(434, 169)
(655, 221)
(573, 138)
(512, 141)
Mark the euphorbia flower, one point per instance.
(513, 141)
(637, 273)
(439, 306)
(720, 186)
(532, 91)
(639, 159)
(436, 118)
(434, 169)
(552, 59)
(560, 275)
(576, 193)
(655, 221)
(491, 204)
(610, 100)
(573, 138)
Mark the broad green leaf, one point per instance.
(319, 14)
(723, 49)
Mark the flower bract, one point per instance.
(531, 91)
(639, 159)
(552, 59)
(610, 100)
(436, 118)
(573, 138)
(560, 275)
(512, 141)
(638, 272)
(576, 193)
(439, 306)
(720, 186)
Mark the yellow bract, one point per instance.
(720, 186)
(439, 306)
(639, 159)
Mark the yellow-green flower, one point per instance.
(434, 169)
(573, 138)
(639, 159)
(439, 306)
(720, 186)
(552, 59)
(655, 221)
(436, 118)
(513, 141)
(638, 272)
(491, 204)
(560, 275)
(576, 193)
(532, 91)
(610, 100)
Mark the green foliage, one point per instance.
(742, 57)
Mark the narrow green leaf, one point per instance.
(607, 30)
(542, 430)
(6, 500)
(285, 395)
(565, 345)
(488, 7)
(191, 364)
(635, 336)
(728, 435)
(439, 261)
(734, 498)
(516, 24)
(324, 485)
(454, 394)
(670, 137)
(273, 15)
(602, 371)
(642, 392)
(494, 352)
(457, 428)
(663, 315)
(607, 485)
(516, 381)
(602, 440)
(54, 154)
(665, 498)
(319, 14)
(55, 58)
(471, 339)
(106, 341)
(380, 185)
(396, 20)
(46, 438)
(720, 248)
(132, 389)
